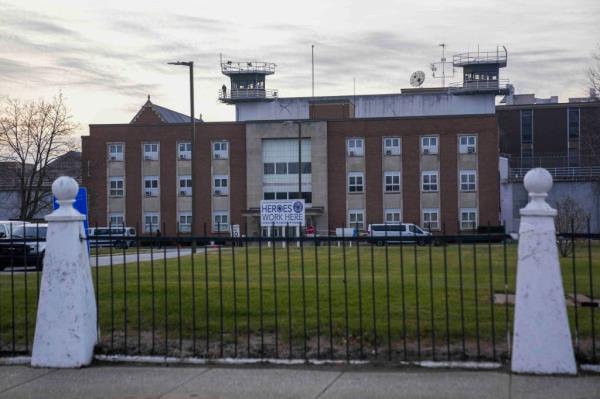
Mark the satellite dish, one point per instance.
(417, 78)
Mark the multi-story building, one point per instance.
(561, 137)
(426, 156)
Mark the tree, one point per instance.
(594, 73)
(32, 135)
(570, 218)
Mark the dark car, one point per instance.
(26, 247)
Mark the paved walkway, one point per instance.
(119, 381)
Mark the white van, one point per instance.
(118, 237)
(397, 232)
(8, 226)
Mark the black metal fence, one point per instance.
(447, 297)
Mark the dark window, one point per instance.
(269, 196)
(293, 168)
(307, 196)
(281, 168)
(573, 122)
(526, 126)
(306, 167)
(280, 196)
(269, 168)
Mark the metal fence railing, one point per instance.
(382, 299)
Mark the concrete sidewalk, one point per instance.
(118, 381)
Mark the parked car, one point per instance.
(398, 232)
(7, 227)
(26, 247)
(118, 237)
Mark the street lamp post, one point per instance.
(190, 64)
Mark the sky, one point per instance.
(106, 57)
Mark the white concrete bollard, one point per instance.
(542, 339)
(65, 331)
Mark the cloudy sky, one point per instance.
(107, 56)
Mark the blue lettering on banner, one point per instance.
(282, 212)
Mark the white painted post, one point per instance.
(65, 331)
(542, 339)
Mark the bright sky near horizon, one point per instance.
(107, 56)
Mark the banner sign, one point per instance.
(282, 213)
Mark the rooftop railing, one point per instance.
(481, 57)
(247, 94)
(470, 86)
(574, 173)
(234, 67)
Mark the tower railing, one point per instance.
(481, 57)
(249, 94)
(234, 67)
(479, 85)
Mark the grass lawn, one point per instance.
(403, 298)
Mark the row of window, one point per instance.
(282, 195)
(220, 150)
(467, 144)
(220, 221)
(429, 181)
(430, 218)
(573, 125)
(285, 168)
(152, 189)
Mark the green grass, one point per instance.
(180, 294)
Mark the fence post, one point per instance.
(542, 339)
(65, 331)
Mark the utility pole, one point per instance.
(190, 64)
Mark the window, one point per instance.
(527, 126)
(151, 186)
(269, 196)
(185, 222)
(573, 123)
(392, 182)
(151, 222)
(292, 168)
(391, 146)
(220, 150)
(151, 152)
(115, 219)
(468, 180)
(431, 218)
(115, 152)
(467, 144)
(220, 221)
(355, 148)
(392, 215)
(185, 186)
(185, 151)
(269, 168)
(429, 145)
(281, 168)
(430, 181)
(221, 184)
(116, 187)
(355, 182)
(468, 218)
(356, 218)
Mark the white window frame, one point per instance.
(114, 192)
(427, 186)
(184, 150)
(218, 188)
(353, 217)
(427, 222)
(115, 151)
(113, 219)
(217, 149)
(391, 149)
(465, 177)
(355, 146)
(469, 223)
(353, 182)
(467, 144)
(151, 227)
(184, 188)
(393, 212)
(430, 145)
(218, 225)
(391, 175)
(184, 222)
(151, 191)
(151, 151)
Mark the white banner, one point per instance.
(282, 213)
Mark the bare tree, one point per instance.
(594, 73)
(570, 218)
(32, 135)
